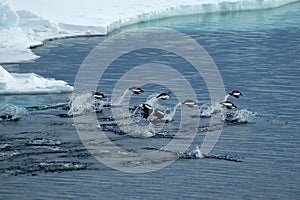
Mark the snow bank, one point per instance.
(25, 23)
(30, 83)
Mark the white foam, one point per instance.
(81, 104)
(30, 83)
(243, 116)
(35, 22)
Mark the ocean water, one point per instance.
(256, 156)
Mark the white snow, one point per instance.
(26, 23)
(7, 15)
(30, 83)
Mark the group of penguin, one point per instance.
(229, 105)
(148, 110)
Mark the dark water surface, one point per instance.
(256, 52)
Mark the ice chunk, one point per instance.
(8, 16)
(30, 83)
(57, 19)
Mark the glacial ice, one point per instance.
(28, 23)
(30, 83)
(8, 17)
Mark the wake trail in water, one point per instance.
(64, 106)
(196, 153)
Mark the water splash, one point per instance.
(238, 116)
(139, 131)
(84, 103)
(241, 116)
(133, 125)
(169, 116)
(118, 101)
(193, 154)
(197, 154)
(207, 110)
(152, 100)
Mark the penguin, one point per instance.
(163, 96)
(136, 90)
(228, 104)
(147, 110)
(98, 95)
(235, 93)
(190, 103)
(160, 114)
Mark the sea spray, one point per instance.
(118, 101)
(241, 116)
(133, 125)
(169, 116)
(152, 99)
(84, 103)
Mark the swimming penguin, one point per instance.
(163, 96)
(146, 107)
(190, 103)
(160, 114)
(6, 117)
(147, 110)
(136, 90)
(235, 93)
(98, 95)
(228, 104)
